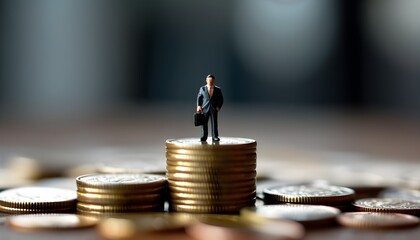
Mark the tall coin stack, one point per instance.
(107, 194)
(211, 177)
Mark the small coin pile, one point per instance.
(211, 177)
(108, 194)
(335, 196)
(27, 200)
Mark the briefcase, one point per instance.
(199, 119)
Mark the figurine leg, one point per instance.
(215, 132)
(205, 128)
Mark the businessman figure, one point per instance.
(209, 102)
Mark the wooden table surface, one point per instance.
(293, 145)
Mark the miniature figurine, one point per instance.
(209, 102)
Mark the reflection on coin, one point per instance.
(212, 170)
(34, 210)
(123, 180)
(225, 142)
(197, 177)
(209, 163)
(232, 229)
(159, 189)
(309, 215)
(212, 185)
(374, 220)
(118, 198)
(211, 208)
(119, 208)
(38, 197)
(387, 205)
(212, 197)
(220, 190)
(311, 194)
(42, 222)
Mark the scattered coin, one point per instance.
(309, 194)
(37, 199)
(45, 222)
(308, 215)
(374, 220)
(232, 229)
(389, 205)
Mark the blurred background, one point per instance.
(74, 57)
(325, 74)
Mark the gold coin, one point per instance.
(48, 222)
(117, 208)
(212, 185)
(215, 164)
(189, 208)
(248, 153)
(130, 226)
(107, 199)
(239, 157)
(211, 197)
(11, 210)
(220, 190)
(38, 198)
(155, 190)
(121, 181)
(211, 177)
(375, 220)
(233, 229)
(214, 202)
(210, 170)
(388, 205)
(309, 194)
(225, 142)
(308, 215)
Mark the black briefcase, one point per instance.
(199, 119)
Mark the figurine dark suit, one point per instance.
(210, 106)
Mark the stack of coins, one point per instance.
(107, 194)
(335, 196)
(211, 177)
(27, 200)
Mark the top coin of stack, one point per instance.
(211, 177)
(27, 200)
(107, 194)
(335, 196)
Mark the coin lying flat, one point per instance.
(375, 220)
(45, 222)
(310, 194)
(232, 229)
(387, 205)
(41, 198)
(120, 181)
(118, 208)
(118, 198)
(210, 208)
(197, 177)
(214, 170)
(308, 215)
(225, 142)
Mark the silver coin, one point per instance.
(387, 204)
(296, 212)
(309, 191)
(123, 178)
(37, 194)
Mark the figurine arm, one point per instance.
(200, 101)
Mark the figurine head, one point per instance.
(210, 80)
